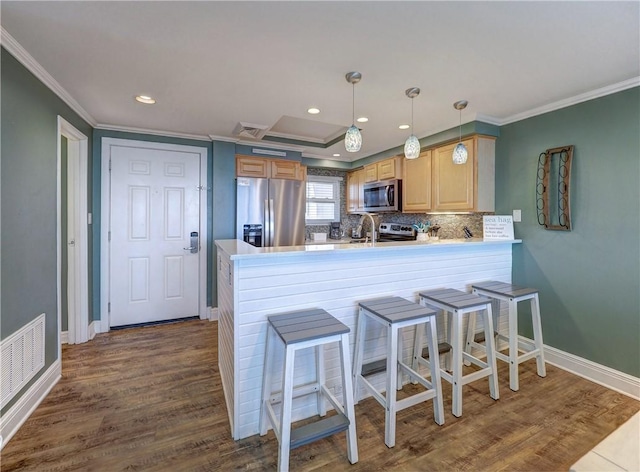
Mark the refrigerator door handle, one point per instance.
(272, 225)
(266, 236)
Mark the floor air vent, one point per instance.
(21, 357)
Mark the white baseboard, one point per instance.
(97, 327)
(213, 313)
(598, 373)
(64, 337)
(27, 403)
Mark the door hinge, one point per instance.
(109, 307)
(109, 164)
(109, 236)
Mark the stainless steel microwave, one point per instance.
(383, 196)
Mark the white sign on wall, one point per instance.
(497, 227)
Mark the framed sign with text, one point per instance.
(497, 227)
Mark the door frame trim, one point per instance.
(105, 220)
(77, 260)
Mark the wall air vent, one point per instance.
(250, 130)
(269, 152)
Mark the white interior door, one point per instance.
(155, 234)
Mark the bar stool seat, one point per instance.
(396, 313)
(456, 304)
(311, 328)
(512, 294)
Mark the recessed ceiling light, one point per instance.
(404, 126)
(313, 111)
(145, 99)
(336, 154)
(362, 119)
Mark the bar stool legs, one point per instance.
(300, 330)
(511, 294)
(396, 313)
(456, 304)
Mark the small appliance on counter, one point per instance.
(334, 230)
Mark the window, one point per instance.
(323, 199)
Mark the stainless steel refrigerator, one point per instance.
(270, 212)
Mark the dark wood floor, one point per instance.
(151, 399)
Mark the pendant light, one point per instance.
(460, 151)
(412, 145)
(353, 138)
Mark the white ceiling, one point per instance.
(212, 65)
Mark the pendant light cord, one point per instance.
(353, 103)
(412, 116)
(460, 128)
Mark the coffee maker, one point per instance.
(334, 231)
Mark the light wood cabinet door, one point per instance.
(390, 168)
(247, 166)
(371, 173)
(286, 170)
(454, 185)
(416, 183)
(355, 191)
(260, 167)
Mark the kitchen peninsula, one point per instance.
(256, 282)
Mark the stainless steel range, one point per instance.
(396, 232)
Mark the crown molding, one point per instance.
(584, 97)
(487, 119)
(154, 132)
(16, 50)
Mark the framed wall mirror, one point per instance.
(553, 188)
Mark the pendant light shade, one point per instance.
(412, 145)
(353, 138)
(460, 152)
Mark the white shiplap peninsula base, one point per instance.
(256, 282)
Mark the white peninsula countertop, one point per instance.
(238, 249)
(254, 283)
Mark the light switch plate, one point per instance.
(517, 215)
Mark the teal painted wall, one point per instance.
(224, 200)
(589, 278)
(28, 197)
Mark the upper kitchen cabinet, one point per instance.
(465, 187)
(384, 170)
(287, 170)
(416, 183)
(355, 191)
(249, 166)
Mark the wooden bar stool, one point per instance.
(311, 328)
(512, 294)
(456, 304)
(396, 313)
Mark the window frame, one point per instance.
(336, 200)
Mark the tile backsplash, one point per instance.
(451, 225)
